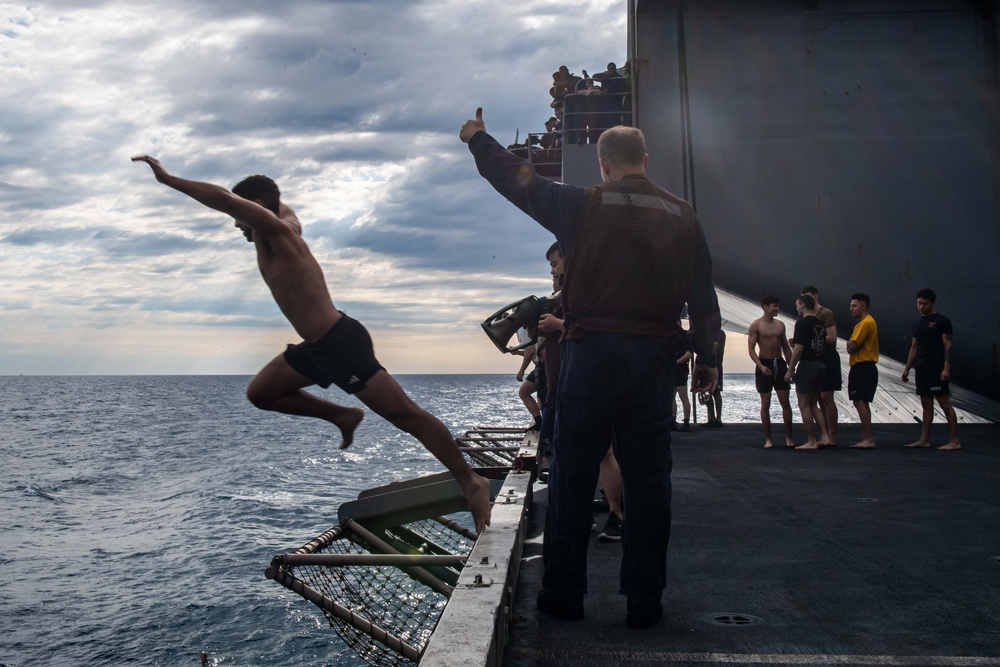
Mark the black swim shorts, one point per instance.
(776, 380)
(862, 381)
(832, 378)
(929, 382)
(343, 356)
(681, 373)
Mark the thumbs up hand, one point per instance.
(472, 126)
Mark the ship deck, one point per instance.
(888, 556)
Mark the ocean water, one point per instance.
(139, 512)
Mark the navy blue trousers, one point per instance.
(611, 385)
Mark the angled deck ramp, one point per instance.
(403, 561)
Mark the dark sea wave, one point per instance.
(140, 512)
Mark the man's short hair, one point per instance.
(927, 293)
(769, 299)
(622, 146)
(259, 187)
(807, 301)
(553, 248)
(809, 289)
(861, 296)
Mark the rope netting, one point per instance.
(386, 596)
(383, 582)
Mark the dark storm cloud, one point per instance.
(33, 236)
(20, 198)
(111, 243)
(442, 218)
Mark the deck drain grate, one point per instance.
(729, 619)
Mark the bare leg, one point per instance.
(949, 412)
(525, 392)
(713, 409)
(927, 403)
(786, 415)
(829, 435)
(811, 411)
(611, 482)
(807, 421)
(765, 418)
(384, 395)
(718, 404)
(820, 415)
(279, 387)
(865, 415)
(685, 403)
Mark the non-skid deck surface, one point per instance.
(888, 556)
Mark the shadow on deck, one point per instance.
(888, 556)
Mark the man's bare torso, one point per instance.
(769, 338)
(296, 282)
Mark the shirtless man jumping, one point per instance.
(771, 359)
(335, 349)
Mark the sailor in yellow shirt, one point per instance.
(863, 378)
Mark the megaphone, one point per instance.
(503, 324)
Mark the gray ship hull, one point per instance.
(849, 145)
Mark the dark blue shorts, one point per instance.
(929, 382)
(343, 356)
(862, 381)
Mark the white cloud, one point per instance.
(353, 107)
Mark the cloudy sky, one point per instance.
(353, 107)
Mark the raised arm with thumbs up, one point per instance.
(472, 126)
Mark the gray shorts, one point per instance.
(809, 377)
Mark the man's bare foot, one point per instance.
(347, 423)
(789, 442)
(953, 444)
(918, 443)
(827, 445)
(864, 444)
(477, 494)
(768, 444)
(812, 444)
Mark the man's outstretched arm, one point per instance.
(549, 203)
(216, 197)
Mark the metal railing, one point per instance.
(585, 117)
